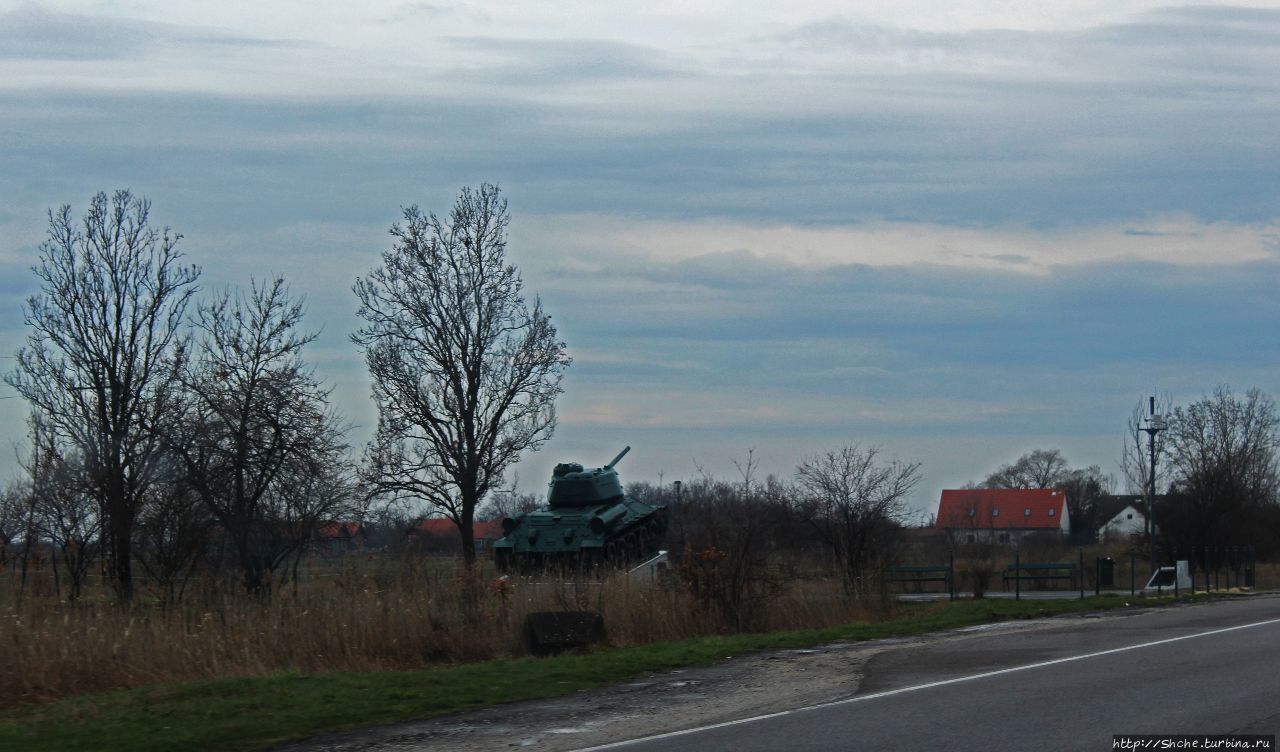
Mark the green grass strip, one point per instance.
(255, 713)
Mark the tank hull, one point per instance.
(611, 534)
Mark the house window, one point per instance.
(1004, 537)
(972, 511)
(1026, 512)
(995, 512)
(972, 538)
(1129, 516)
(1052, 511)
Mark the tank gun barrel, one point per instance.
(621, 454)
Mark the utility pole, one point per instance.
(1155, 424)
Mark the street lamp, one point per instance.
(1155, 424)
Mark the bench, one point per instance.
(1022, 572)
(921, 574)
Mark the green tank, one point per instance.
(588, 521)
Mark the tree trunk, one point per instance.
(121, 525)
(256, 575)
(466, 530)
(254, 581)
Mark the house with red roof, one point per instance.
(333, 538)
(1003, 515)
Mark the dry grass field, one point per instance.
(368, 615)
(375, 613)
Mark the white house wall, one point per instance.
(1128, 521)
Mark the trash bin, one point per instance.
(1106, 572)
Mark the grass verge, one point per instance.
(256, 713)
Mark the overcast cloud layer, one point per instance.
(960, 232)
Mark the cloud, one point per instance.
(34, 32)
(737, 248)
(1012, 259)
(808, 125)
(1186, 37)
(406, 11)
(899, 350)
(562, 62)
(752, 224)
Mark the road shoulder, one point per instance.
(736, 688)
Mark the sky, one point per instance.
(956, 231)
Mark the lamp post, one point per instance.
(1155, 424)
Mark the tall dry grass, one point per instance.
(367, 616)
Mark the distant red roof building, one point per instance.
(340, 531)
(439, 535)
(339, 537)
(1020, 510)
(490, 530)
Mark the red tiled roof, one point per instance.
(440, 526)
(337, 530)
(1003, 508)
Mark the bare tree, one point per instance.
(855, 503)
(465, 372)
(317, 489)
(726, 535)
(509, 502)
(173, 533)
(257, 440)
(14, 501)
(63, 511)
(1223, 455)
(1039, 468)
(104, 344)
(1087, 490)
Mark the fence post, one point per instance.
(1133, 573)
(1080, 572)
(951, 576)
(1097, 575)
(1231, 560)
(1253, 567)
(1017, 573)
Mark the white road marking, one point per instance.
(930, 685)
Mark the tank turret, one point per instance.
(588, 520)
(572, 486)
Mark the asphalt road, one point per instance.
(1192, 670)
